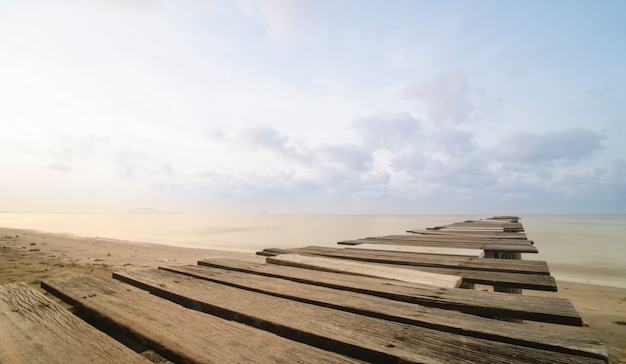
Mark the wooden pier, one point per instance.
(408, 298)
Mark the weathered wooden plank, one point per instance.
(506, 225)
(451, 239)
(482, 229)
(439, 319)
(513, 218)
(181, 334)
(34, 329)
(478, 253)
(487, 225)
(367, 338)
(505, 217)
(469, 232)
(395, 273)
(493, 222)
(520, 248)
(430, 260)
(486, 304)
(540, 282)
(487, 235)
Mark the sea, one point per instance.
(578, 248)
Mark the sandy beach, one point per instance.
(30, 256)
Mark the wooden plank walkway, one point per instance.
(400, 311)
(235, 311)
(367, 338)
(487, 304)
(179, 333)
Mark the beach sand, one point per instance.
(29, 256)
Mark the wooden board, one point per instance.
(395, 273)
(428, 260)
(481, 234)
(484, 224)
(472, 229)
(34, 329)
(509, 218)
(518, 248)
(541, 282)
(478, 253)
(181, 334)
(443, 320)
(366, 338)
(487, 304)
(453, 237)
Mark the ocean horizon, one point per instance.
(587, 248)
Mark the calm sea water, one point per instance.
(583, 248)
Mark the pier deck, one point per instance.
(235, 311)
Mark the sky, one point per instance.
(342, 106)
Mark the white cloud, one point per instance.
(351, 157)
(391, 131)
(565, 145)
(447, 97)
(266, 138)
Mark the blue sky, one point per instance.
(313, 106)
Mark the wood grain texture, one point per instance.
(34, 329)
(452, 238)
(366, 338)
(181, 334)
(486, 225)
(395, 273)
(478, 253)
(525, 247)
(487, 304)
(460, 237)
(506, 279)
(443, 320)
(432, 260)
(481, 234)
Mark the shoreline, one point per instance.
(32, 256)
(593, 275)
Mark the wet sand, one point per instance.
(29, 256)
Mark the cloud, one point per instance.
(266, 138)
(447, 97)
(567, 145)
(347, 156)
(351, 157)
(71, 151)
(412, 161)
(131, 162)
(391, 131)
(454, 142)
